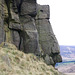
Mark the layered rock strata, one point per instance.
(26, 24)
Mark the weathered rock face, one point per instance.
(1, 22)
(26, 24)
(47, 38)
(28, 7)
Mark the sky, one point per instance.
(62, 18)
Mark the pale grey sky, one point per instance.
(62, 13)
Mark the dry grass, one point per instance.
(15, 62)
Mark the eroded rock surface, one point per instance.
(26, 24)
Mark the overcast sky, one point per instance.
(62, 13)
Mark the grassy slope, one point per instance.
(15, 62)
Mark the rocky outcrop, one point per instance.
(47, 39)
(26, 24)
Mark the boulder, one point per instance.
(43, 12)
(47, 38)
(15, 26)
(28, 7)
(29, 35)
(16, 38)
(30, 42)
(57, 58)
(55, 48)
(28, 23)
(48, 60)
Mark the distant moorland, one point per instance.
(68, 57)
(67, 53)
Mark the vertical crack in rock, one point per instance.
(8, 8)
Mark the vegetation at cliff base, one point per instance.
(15, 62)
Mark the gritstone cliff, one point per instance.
(26, 24)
